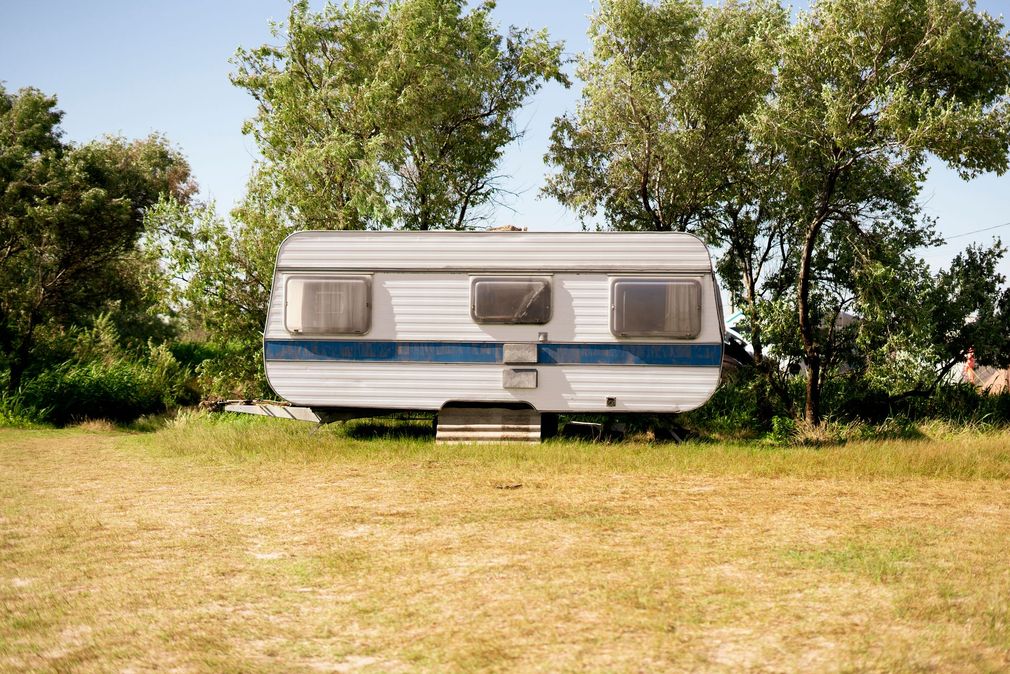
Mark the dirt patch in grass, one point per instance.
(258, 547)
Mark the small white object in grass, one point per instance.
(268, 555)
(349, 664)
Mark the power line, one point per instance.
(977, 231)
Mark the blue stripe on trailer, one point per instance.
(383, 352)
(677, 355)
(682, 355)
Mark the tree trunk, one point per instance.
(18, 365)
(811, 357)
(757, 346)
(643, 193)
(423, 217)
(812, 409)
(755, 327)
(811, 351)
(21, 356)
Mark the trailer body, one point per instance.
(572, 322)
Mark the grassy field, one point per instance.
(255, 546)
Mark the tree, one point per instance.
(748, 223)
(71, 217)
(865, 90)
(659, 134)
(222, 273)
(381, 113)
(919, 325)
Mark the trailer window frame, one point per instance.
(487, 318)
(669, 327)
(357, 327)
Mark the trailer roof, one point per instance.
(526, 252)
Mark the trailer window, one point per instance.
(656, 308)
(328, 306)
(511, 300)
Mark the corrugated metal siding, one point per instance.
(432, 303)
(437, 307)
(495, 251)
(426, 386)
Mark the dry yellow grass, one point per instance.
(256, 547)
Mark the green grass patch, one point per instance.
(879, 563)
(942, 452)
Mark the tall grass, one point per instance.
(118, 391)
(942, 451)
(105, 379)
(746, 406)
(15, 413)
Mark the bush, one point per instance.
(743, 406)
(235, 371)
(783, 431)
(853, 398)
(193, 354)
(746, 406)
(73, 391)
(117, 388)
(961, 404)
(15, 413)
(105, 379)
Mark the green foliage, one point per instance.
(378, 113)
(894, 428)
(225, 274)
(659, 131)
(191, 354)
(864, 90)
(105, 380)
(235, 371)
(371, 114)
(743, 406)
(783, 431)
(967, 305)
(118, 391)
(71, 217)
(799, 150)
(16, 413)
(961, 404)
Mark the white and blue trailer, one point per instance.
(559, 322)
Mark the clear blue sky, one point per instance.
(136, 66)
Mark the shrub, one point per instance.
(962, 404)
(193, 354)
(15, 413)
(170, 376)
(235, 371)
(118, 389)
(105, 379)
(744, 405)
(854, 398)
(73, 391)
(783, 431)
